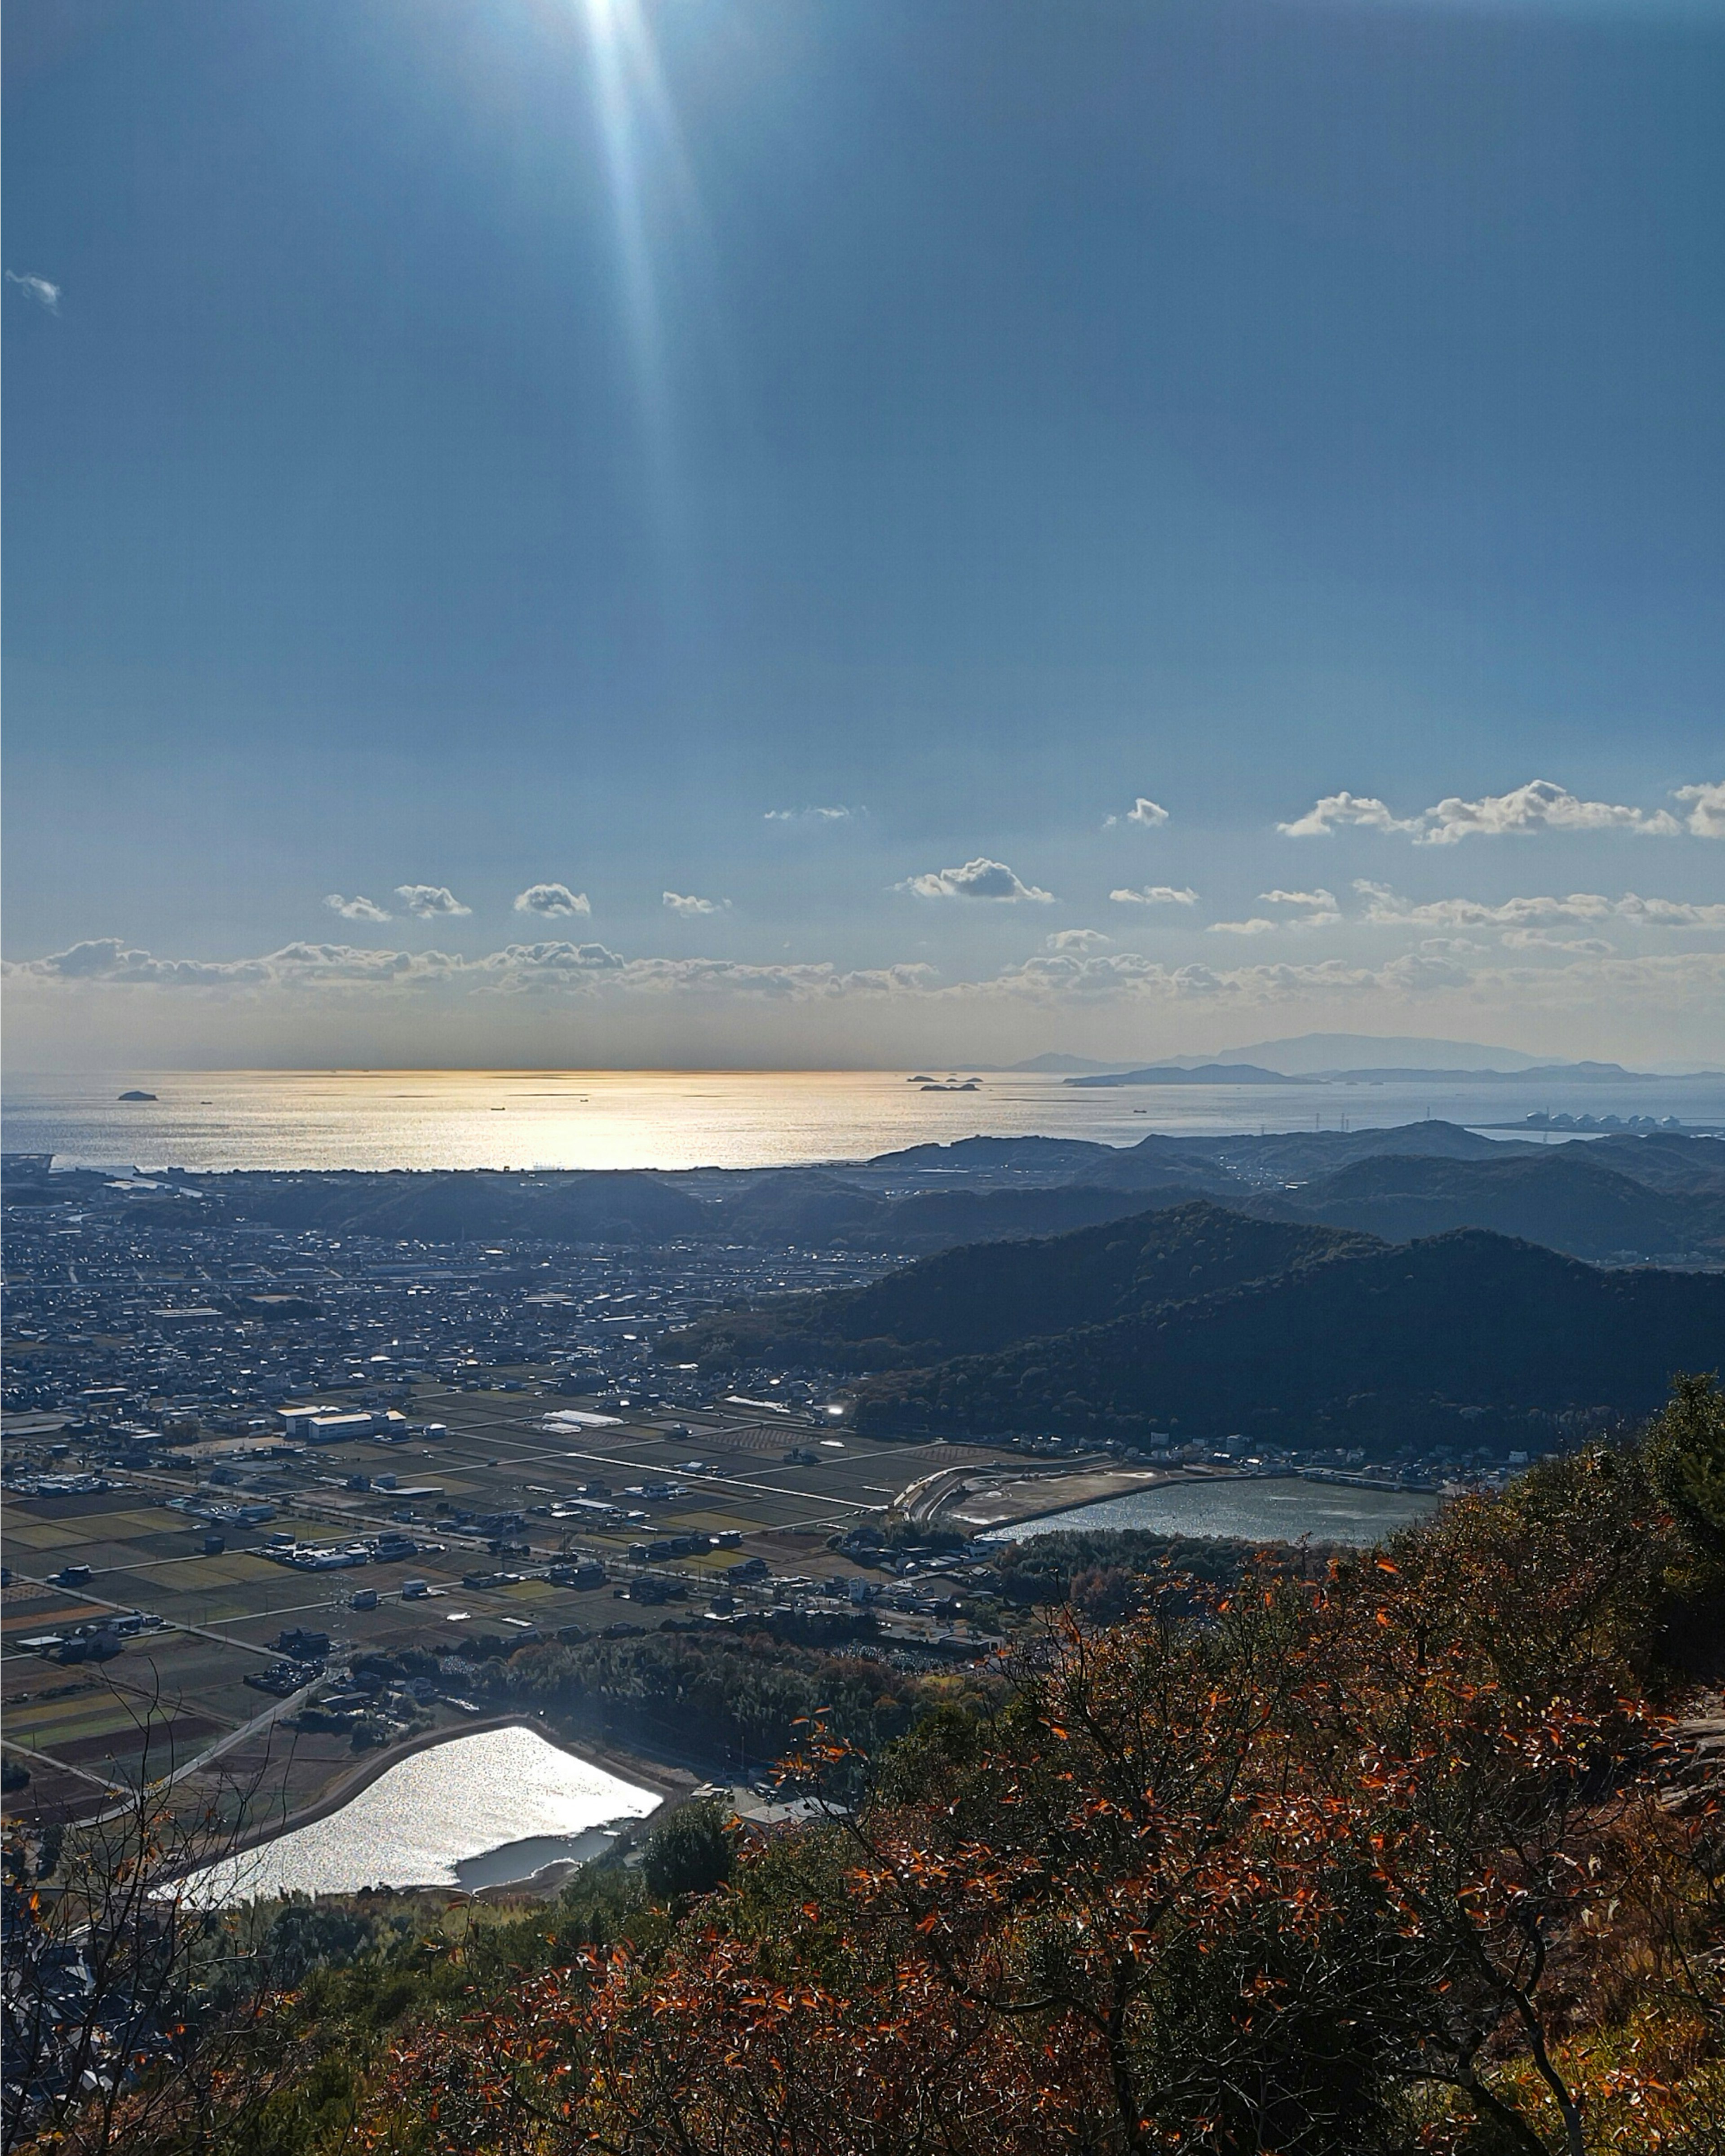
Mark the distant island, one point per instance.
(1206, 1074)
(135, 1095)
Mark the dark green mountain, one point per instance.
(1564, 1197)
(991, 1295)
(1203, 1320)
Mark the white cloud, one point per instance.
(1583, 979)
(1322, 911)
(1155, 894)
(1125, 976)
(552, 901)
(1538, 806)
(427, 901)
(39, 289)
(817, 816)
(582, 968)
(1667, 912)
(355, 909)
(979, 878)
(689, 906)
(1150, 813)
(1537, 939)
(524, 965)
(1077, 939)
(1386, 909)
(107, 960)
(1707, 813)
(1257, 925)
(1320, 901)
(1336, 810)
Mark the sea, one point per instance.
(383, 1120)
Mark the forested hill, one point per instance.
(1631, 1199)
(995, 1295)
(1567, 1198)
(1198, 1317)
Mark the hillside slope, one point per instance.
(993, 1296)
(1565, 1197)
(1468, 1339)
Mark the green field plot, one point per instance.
(120, 1527)
(46, 1534)
(53, 1726)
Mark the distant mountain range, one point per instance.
(1624, 1199)
(1306, 1054)
(1201, 1320)
(1357, 1056)
(1254, 1074)
(1198, 1073)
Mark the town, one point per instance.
(242, 1461)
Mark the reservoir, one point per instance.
(1276, 1508)
(483, 1810)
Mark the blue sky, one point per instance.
(484, 449)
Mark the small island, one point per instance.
(135, 1095)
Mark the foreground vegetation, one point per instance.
(1411, 1851)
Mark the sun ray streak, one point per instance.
(642, 151)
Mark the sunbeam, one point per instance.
(644, 160)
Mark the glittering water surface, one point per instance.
(673, 1119)
(1282, 1509)
(435, 1819)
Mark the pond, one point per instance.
(1272, 1508)
(482, 1810)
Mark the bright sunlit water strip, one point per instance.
(431, 1820)
(678, 1119)
(1279, 1509)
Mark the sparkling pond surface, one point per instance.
(475, 1811)
(1276, 1508)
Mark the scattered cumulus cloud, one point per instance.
(355, 909)
(690, 906)
(1337, 811)
(1581, 975)
(1078, 939)
(815, 816)
(1706, 809)
(1319, 901)
(1385, 908)
(1537, 939)
(1126, 976)
(39, 289)
(429, 902)
(552, 901)
(1257, 925)
(1155, 894)
(1319, 909)
(1150, 813)
(1538, 806)
(979, 878)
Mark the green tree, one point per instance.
(689, 1854)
